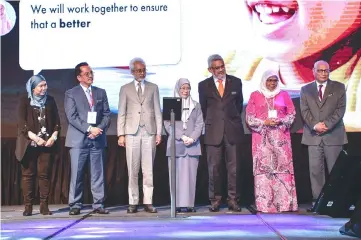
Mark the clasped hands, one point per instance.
(95, 132)
(320, 128)
(272, 122)
(187, 140)
(39, 141)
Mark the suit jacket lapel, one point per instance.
(315, 93)
(134, 89)
(227, 88)
(94, 94)
(145, 91)
(213, 86)
(83, 97)
(328, 90)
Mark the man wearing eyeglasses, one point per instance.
(221, 101)
(88, 114)
(323, 105)
(139, 130)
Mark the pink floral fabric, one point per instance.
(275, 189)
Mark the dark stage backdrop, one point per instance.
(117, 175)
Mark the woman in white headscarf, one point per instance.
(188, 148)
(38, 128)
(270, 114)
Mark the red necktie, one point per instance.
(320, 91)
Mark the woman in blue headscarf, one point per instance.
(38, 129)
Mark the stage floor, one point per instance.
(200, 225)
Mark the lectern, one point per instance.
(172, 111)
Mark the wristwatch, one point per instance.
(54, 137)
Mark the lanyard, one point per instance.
(273, 104)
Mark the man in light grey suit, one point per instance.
(323, 105)
(88, 114)
(139, 131)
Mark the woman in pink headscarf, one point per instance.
(269, 114)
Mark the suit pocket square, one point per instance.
(329, 95)
(99, 101)
(233, 93)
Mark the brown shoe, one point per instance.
(28, 210)
(233, 206)
(215, 205)
(150, 209)
(44, 209)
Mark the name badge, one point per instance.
(272, 113)
(92, 117)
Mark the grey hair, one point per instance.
(320, 61)
(213, 58)
(133, 61)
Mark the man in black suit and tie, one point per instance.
(221, 100)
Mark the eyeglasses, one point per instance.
(140, 70)
(323, 70)
(185, 89)
(88, 74)
(219, 67)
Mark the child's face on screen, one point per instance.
(289, 30)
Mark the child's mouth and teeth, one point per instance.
(273, 12)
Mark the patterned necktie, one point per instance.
(320, 91)
(90, 98)
(140, 90)
(220, 87)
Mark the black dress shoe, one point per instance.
(310, 210)
(191, 209)
(74, 211)
(101, 211)
(28, 211)
(214, 207)
(178, 209)
(150, 209)
(351, 229)
(233, 206)
(132, 209)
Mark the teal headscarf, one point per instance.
(36, 101)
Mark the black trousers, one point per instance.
(36, 163)
(228, 154)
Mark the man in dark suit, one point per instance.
(323, 105)
(221, 100)
(88, 114)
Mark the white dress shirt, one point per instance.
(141, 84)
(85, 89)
(323, 88)
(217, 83)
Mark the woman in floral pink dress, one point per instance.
(269, 114)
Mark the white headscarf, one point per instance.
(187, 103)
(263, 88)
